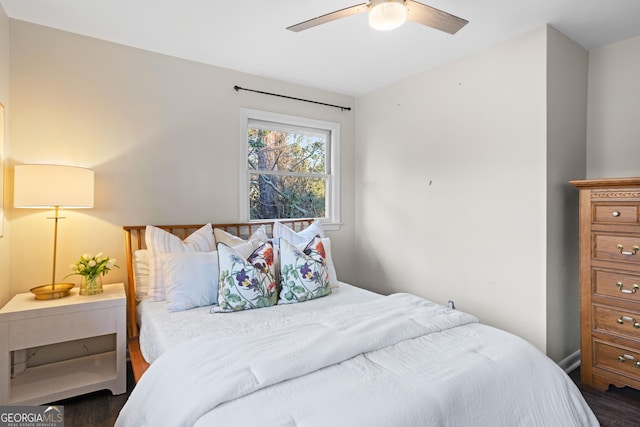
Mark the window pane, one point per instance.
(282, 151)
(279, 197)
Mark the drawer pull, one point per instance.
(623, 319)
(624, 357)
(636, 248)
(627, 291)
(615, 213)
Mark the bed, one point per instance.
(333, 355)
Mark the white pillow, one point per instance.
(159, 241)
(333, 275)
(258, 237)
(191, 279)
(141, 273)
(295, 238)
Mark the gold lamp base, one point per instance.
(58, 290)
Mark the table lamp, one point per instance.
(52, 186)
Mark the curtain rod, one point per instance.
(237, 88)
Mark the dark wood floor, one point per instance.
(613, 408)
(616, 407)
(99, 409)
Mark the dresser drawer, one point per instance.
(616, 320)
(624, 248)
(618, 359)
(606, 213)
(614, 284)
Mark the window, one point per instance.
(289, 167)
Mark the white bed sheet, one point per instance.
(161, 330)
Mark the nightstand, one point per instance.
(27, 323)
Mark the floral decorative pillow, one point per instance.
(301, 238)
(304, 274)
(246, 283)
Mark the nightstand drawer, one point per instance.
(59, 328)
(621, 360)
(625, 248)
(626, 214)
(615, 284)
(617, 321)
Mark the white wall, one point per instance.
(5, 291)
(451, 185)
(472, 162)
(613, 132)
(567, 78)
(161, 133)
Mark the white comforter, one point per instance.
(396, 361)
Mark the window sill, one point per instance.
(331, 226)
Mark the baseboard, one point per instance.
(570, 362)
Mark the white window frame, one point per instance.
(332, 220)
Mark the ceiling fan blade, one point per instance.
(342, 13)
(434, 18)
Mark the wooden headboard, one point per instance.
(134, 240)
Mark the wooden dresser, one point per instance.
(610, 281)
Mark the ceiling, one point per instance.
(344, 56)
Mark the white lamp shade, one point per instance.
(387, 14)
(47, 186)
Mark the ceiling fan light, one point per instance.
(387, 15)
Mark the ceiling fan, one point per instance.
(390, 14)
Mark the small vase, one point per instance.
(91, 285)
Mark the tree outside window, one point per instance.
(289, 168)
